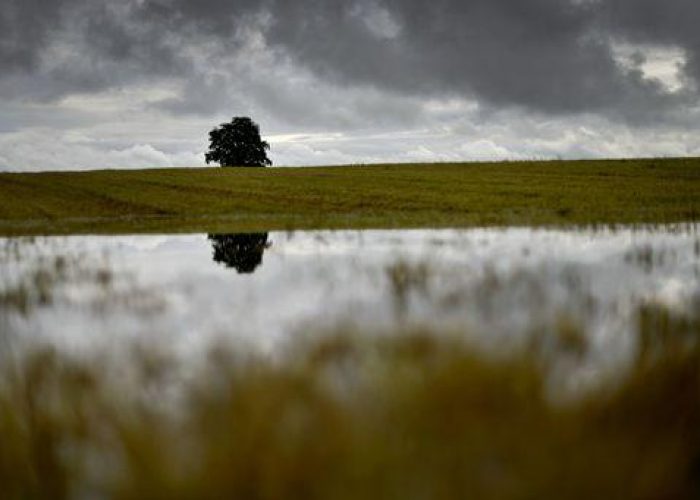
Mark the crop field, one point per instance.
(377, 196)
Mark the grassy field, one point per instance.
(378, 196)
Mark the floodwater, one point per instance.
(494, 287)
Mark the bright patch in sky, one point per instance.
(661, 64)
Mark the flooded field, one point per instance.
(323, 342)
(496, 286)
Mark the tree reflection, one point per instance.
(241, 251)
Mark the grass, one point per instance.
(409, 415)
(378, 196)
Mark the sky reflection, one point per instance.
(492, 285)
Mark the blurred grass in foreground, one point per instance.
(406, 415)
(216, 200)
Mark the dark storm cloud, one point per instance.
(551, 56)
(545, 55)
(25, 27)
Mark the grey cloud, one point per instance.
(50, 49)
(25, 29)
(547, 56)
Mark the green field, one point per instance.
(377, 196)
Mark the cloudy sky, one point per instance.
(139, 83)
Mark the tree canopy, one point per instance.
(238, 144)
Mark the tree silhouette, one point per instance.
(241, 251)
(238, 144)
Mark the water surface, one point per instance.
(496, 287)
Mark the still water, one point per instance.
(495, 287)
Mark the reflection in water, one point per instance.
(496, 285)
(241, 251)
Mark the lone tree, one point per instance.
(238, 144)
